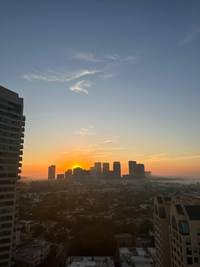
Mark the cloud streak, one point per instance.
(85, 56)
(81, 87)
(64, 76)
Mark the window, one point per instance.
(184, 228)
(195, 259)
(195, 250)
(198, 231)
(156, 210)
(174, 223)
(188, 241)
(189, 251)
(162, 213)
(189, 261)
(199, 241)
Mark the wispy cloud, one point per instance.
(63, 76)
(107, 76)
(189, 157)
(85, 56)
(84, 131)
(193, 33)
(81, 87)
(159, 157)
(120, 58)
(107, 141)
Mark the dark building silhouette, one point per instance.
(140, 170)
(68, 174)
(117, 169)
(60, 176)
(52, 172)
(132, 168)
(78, 173)
(12, 123)
(106, 168)
(86, 173)
(97, 165)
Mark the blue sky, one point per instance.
(125, 72)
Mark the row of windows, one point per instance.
(15, 107)
(9, 134)
(5, 218)
(7, 182)
(5, 127)
(5, 256)
(5, 240)
(8, 168)
(9, 148)
(6, 203)
(5, 248)
(5, 225)
(4, 189)
(5, 233)
(8, 155)
(10, 122)
(7, 141)
(9, 115)
(6, 211)
(7, 196)
(6, 175)
(8, 161)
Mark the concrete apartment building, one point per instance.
(12, 124)
(177, 230)
(52, 172)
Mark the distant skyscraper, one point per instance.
(117, 169)
(132, 168)
(98, 166)
(12, 124)
(78, 173)
(140, 170)
(68, 174)
(52, 172)
(106, 168)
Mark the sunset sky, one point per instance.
(105, 81)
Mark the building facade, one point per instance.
(117, 169)
(105, 168)
(97, 165)
(12, 129)
(132, 168)
(52, 172)
(177, 230)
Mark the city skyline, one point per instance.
(105, 81)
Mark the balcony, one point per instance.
(19, 171)
(23, 118)
(22, 135)
(21, 147)
(21, 152)
(19, 165)
(23, 123)
(23, 129)
(18, 177)
(21, 141)
(20, 158)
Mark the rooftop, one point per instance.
(78, 261)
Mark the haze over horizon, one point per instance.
(105, 81)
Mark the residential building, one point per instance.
(91, 261)
(177, 230)
(97, 165)
(132, 168)
(68, 174)
(117, 169)
(106, 168)
(124, 240)
(52, 172)
(12, 129)
(60, 176)
(140, 170)
(33, 254)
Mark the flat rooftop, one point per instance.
(78, 261)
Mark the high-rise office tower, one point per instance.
(68, 174)
(106, 168)
(12, 124)
(117, 169)
(97, 165)
(140, 172)
(177, 230)
(52, 172)
(132, 168)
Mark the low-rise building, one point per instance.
(76, 189)
(103, 261)
(124, 240)
(33, 254)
